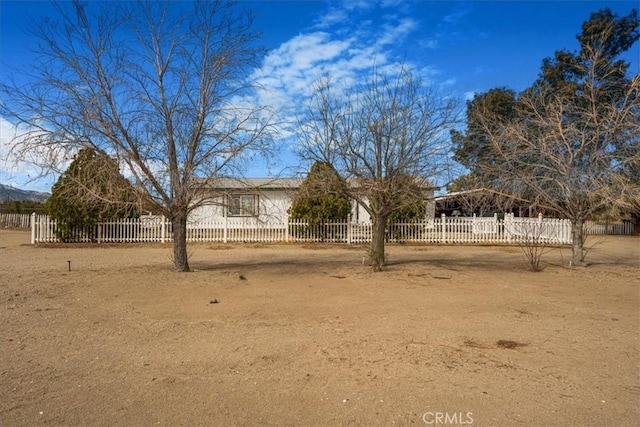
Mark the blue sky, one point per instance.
(464, 46)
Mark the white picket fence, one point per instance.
(624, 228)
(538, 230)
(15, 220)
(469, 230)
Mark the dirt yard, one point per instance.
(307, 336)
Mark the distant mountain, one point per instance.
(9, 194)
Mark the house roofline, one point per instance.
(253, 183)
(268, 184)
(478, 190)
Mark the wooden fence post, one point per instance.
(33, 228)
(539, 230)
(443, 223)
(224, 230)
(287, 228)
(475, 227)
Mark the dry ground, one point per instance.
(306, 335)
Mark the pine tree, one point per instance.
(84, 195)
(322, 197)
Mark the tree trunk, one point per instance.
(577, 242)
(376, 253)
(180, 257)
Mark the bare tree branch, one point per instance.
(387, 136)
(576, 154)
(158, 85)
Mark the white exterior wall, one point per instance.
(207, 213)
(273, 207)
(359, 214)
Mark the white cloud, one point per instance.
(393, 3)
(432, 43)
(449, 82)
(396, 31)
(352, 5)
(346, 43)
(335, 16)
(459, 15)
(306, 51)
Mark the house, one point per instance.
(257, 201)
(250, 201)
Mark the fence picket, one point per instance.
(461, 230)
(15, 220)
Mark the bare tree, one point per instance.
(157, 85)
(573, 152)
(572, 144)
(535, 236)
(386, 136)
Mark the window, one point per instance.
(242, 205)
